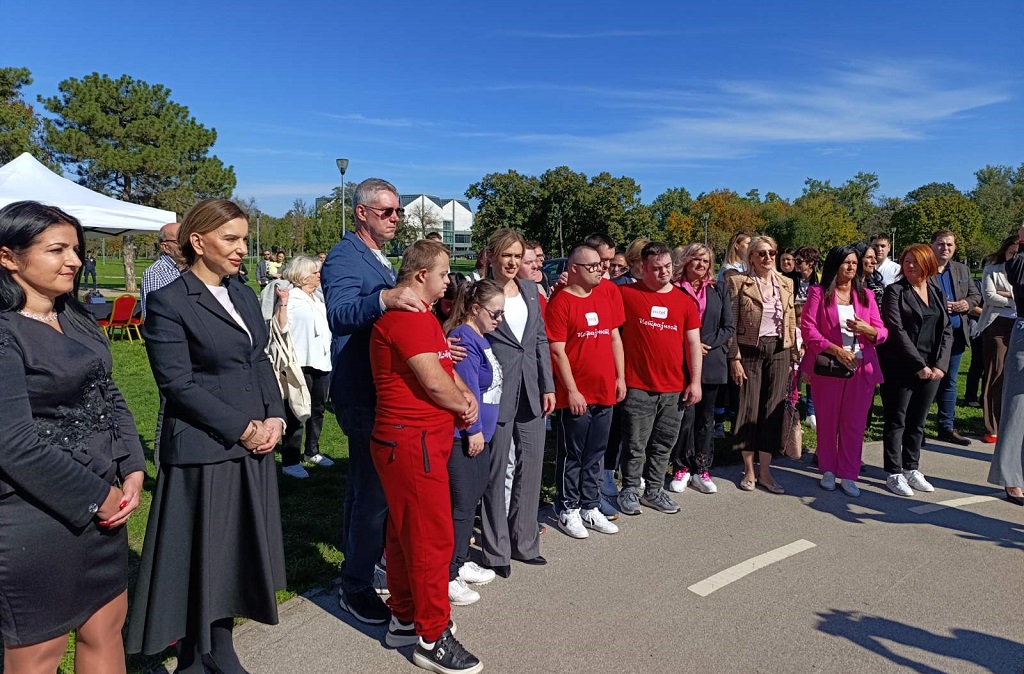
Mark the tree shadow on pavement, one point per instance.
(891, 509)
(962, 452)
(874, 633)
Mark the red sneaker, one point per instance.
(989, 439)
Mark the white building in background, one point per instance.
(452, 218)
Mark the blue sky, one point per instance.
(433, 96)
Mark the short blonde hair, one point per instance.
(299, 268)
(421, 255)
(681, 257)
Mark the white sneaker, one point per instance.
(850, 488)
(702, 483)
(594, 519)
(380, 582)
(643, 486)
(915, 479)
(471, 572)
(459, 594)
(828, 481)
(608, 487)
(679, 481)
(296, 471)
(319, 460)
(812, 422)
(571, 523)
(897, 484)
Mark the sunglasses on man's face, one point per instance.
(386, 213)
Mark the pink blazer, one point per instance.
(820, 327)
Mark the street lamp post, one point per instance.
(342, 166)
(705, 218)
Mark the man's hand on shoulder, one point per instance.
(403, 299)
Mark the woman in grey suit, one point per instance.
(213, 548)
(521, 346)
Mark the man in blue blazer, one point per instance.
(358, 283)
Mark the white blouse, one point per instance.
(221, 293)
(311, 334)
(516, 314)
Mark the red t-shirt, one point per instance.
(398, 336)
(653, 337)
(585, 324)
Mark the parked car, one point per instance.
(554, 267)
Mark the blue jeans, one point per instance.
(946, 395)
(366, 510)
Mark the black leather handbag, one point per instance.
(827, 365)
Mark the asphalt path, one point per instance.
(869, 585)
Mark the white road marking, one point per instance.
(734, 573)
(952, 503)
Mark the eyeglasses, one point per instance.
(765, 254)
(495, 315)
(592, 267)
(386, 213)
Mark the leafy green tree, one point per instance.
(932, 190)
(999, 194)
(505, 200)
(918, 221)
(820, 220)
(673, 200)
(20, 126)
(727, 213)
(128, 139)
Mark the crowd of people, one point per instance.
(636, 358)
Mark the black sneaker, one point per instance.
(404, 634)
(447, 656)
(365, 605)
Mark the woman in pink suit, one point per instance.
(841, 319)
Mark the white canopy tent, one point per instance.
(25, 178)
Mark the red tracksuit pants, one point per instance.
(412, 462)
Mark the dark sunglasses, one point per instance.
(765, 253)
(495, 315)
(386, 212)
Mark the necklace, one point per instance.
(42, 318)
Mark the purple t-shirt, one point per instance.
(482, 374)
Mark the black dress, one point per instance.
(67, 436)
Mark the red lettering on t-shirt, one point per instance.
(654, 337)
(398, 336)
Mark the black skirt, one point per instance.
(213, 550)
(53, 578)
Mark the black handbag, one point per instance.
(827, 365)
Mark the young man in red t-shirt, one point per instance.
(586, 356)
(661, 332)
(419, 400)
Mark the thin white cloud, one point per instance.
(732, 119)
(389, 122)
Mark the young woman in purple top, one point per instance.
(477, 310)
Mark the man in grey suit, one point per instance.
(962, 297)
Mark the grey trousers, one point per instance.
(1008, 459)
(513, 532)
(650, 426)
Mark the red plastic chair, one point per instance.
(134, 324)
(120, 317)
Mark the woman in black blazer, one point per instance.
(914, 359)
(695, 446)
(213, 548)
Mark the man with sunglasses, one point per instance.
(358, 282)
(582, 326)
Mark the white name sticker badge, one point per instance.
(592, 318)
(659, 312)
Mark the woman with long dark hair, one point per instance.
(841, 320)
(72, 466)
(213, 550)
(914, 359)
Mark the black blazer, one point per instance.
(716, 329)
(215, 381)
(901, 313)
